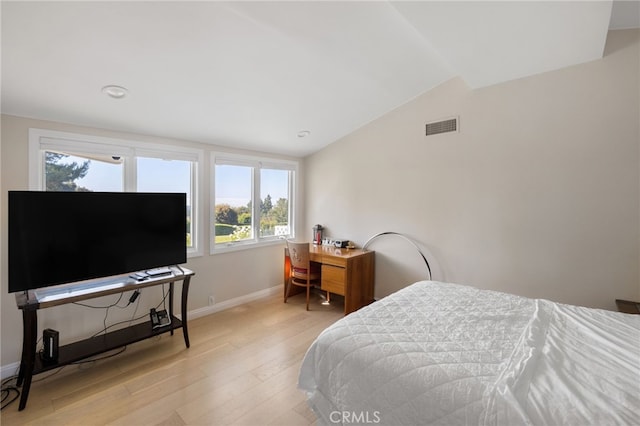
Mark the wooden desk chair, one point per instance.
(304, 273)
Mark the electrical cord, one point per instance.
(104, 307)
(84, 361)
(164, 298)
(106, 313)
(133, 298)
(120, 322)
(59, 369)
(135, 310)
(7, 390)
(92, 360)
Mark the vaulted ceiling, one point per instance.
(254, 74)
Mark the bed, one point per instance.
(440, 353)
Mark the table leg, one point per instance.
(171, 302)
(27, 363)
(183, 307)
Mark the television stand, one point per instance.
(31, 363)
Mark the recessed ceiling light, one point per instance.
(116, 92)
(303, 133)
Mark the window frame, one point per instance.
(257, 163)
(41, 140)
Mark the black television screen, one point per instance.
(64, 237)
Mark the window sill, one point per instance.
(231, 247)
(191, 253)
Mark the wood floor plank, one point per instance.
(234, 409)
(272, 408)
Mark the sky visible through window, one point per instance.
(101, 176)
(157, 175)
(233, 185)
(154, 175)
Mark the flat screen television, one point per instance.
(64, 237)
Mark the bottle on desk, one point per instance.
(317, 235)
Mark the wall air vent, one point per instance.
(444, 126)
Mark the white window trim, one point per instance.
(219, 158)
(43, 139)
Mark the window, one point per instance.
(165, 175)
(67, 171)
(252, 201)
(67, 162)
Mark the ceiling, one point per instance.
(253, 75)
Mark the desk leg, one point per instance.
(171, 302)
(27, 362)
(183, 307)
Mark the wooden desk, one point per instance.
(347, 272)
(31, 363)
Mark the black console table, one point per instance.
(31, 363)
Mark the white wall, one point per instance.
(226, 276)
(538, 194)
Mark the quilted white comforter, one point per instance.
(437, 353)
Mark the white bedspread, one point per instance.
(437, 353)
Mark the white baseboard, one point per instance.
(231, 303)
(12, 369)
(9, 370)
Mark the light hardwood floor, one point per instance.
(241, 369)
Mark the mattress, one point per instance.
(448, 354)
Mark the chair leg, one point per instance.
(308, 292)
(328, 297)
(287, 290)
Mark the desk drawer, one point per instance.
(333, 279)
(334, 260)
